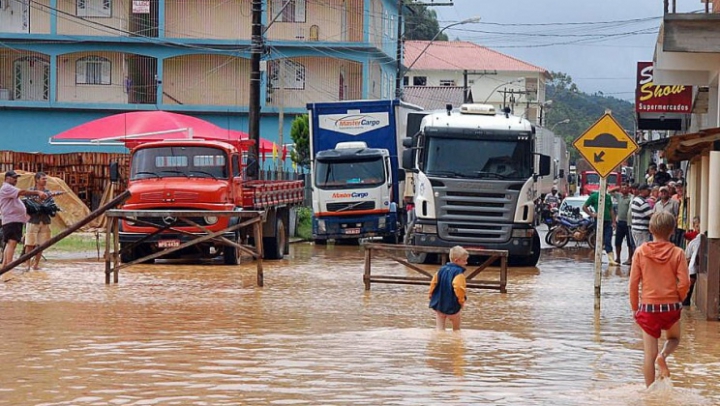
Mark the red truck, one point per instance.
(590, 181)
(199, 174)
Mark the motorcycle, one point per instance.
(573, 228)
(548, 214)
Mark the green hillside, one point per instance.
(583, 110)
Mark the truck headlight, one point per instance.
(210, 220)
(381, 222)
(321, 226)
(522, 233)
(428, 228)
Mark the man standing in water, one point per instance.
(38, 227)
(662, 270)
(14, 214)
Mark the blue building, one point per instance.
(67, 62)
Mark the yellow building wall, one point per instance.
(216, 19)
(328, 18)
(69, 91)
(40, 17)
(69, 24)
(207, 79)
(322, 82)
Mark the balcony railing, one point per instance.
(670, 6)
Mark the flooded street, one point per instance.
(179, 334)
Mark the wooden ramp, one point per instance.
(391, 251)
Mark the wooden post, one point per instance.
(257, 232)
(503, 274)
(116, 249)
(366, 276)
(599, 239)
(108, 267)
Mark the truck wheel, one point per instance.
(126, 256)
(231, 255)
(274, 247)
(529, 260)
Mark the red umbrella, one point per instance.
(143, 126)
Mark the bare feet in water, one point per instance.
(662, 366)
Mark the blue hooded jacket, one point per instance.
(442, 297)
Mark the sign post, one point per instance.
(605, 145)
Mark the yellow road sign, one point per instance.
(605, 145)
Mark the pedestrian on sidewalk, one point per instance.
(641, 213)
(14, 213)
(447, 289)
(660, 267)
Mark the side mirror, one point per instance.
(114, 172)
(401, 174)
(561, 174)
(408, 142)
(407, 160)
(544, 165)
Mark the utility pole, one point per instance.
(256, 50)
(281, 113)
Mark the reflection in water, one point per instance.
(185, 334)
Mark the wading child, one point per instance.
(660, 267)
(447, 289)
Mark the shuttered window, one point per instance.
(94, 8)
(289, 76)
(93, 70)
(293, 11)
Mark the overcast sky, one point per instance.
(598, 43)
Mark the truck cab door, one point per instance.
(237, 180)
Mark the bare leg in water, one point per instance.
(652, 356)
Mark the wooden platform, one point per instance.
(390, 251)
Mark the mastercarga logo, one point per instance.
(354, 124)
(353, 195)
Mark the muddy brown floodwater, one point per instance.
(181, 334)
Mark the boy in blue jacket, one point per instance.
(447, 289)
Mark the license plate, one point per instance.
(352, 231)
(168, 243)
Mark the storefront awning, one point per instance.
(683, 147)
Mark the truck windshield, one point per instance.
(478, 158)
(356, 174)
(179, 161)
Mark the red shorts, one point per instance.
(654, 323)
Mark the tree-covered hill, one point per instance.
(583, 110)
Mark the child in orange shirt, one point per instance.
(447, 289)
(661, 268)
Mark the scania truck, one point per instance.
(357, 183)
(475, 174)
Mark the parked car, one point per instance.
(573, 202)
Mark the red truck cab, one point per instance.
(196, 174)
(590, 181)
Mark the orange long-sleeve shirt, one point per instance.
(662, 270)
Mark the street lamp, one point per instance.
(402, 72)
(567, 120)
(502, 84)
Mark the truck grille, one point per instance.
(476, 212)
(351, 206)
(163, 221)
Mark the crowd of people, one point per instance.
(15, 216)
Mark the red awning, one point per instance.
(129, 128)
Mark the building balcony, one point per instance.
(690, 32)
(196, 82)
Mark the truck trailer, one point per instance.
(357, 183)
(475, 174)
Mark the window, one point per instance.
(93, 70)
(447, 82)
(419, 80)
(291, 11)
(290, 75)
(94, 8)
(406, 81)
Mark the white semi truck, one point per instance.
(474, 174)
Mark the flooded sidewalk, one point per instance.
(188, 334)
